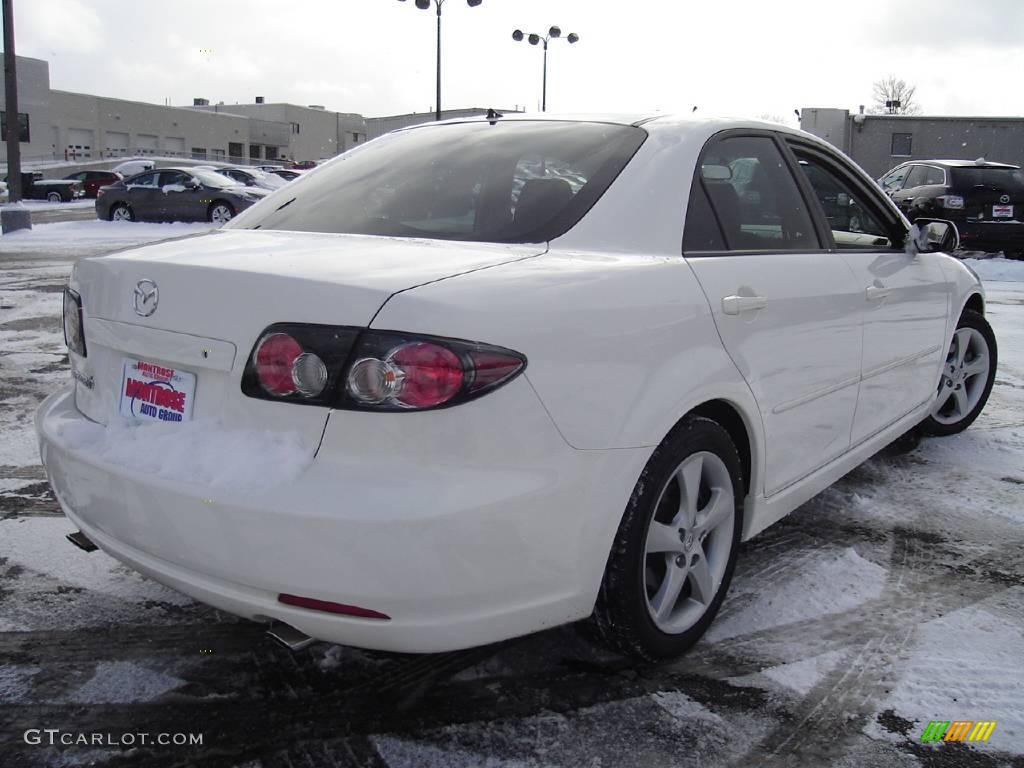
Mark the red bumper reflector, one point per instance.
(326, 605)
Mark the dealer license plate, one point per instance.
(155, 392)
(1002, 211)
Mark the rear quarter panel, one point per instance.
(619, 346)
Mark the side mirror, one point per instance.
(933, 236)
(192, 183)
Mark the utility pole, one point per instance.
(11, 106)
(12, 217)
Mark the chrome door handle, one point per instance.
(733, 305)
(876, 293)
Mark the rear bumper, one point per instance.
(458, 548)
(991, 236)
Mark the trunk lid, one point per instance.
(217, 292)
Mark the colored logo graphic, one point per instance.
(958, 730)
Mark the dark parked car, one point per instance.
(93, 180)
(286, 173)
(985, 200)
(253, 177)
(175, 194)
(35, 187)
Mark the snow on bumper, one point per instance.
(465, 526)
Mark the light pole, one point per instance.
(554, 33)
(424, 5)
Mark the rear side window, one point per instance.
(511, 182)
(754, 196)
(702, 232)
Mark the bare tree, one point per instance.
(894, 96)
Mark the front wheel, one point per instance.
(221, 213)
(675, 550)
(54, 197)
(967, 377)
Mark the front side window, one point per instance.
(850, 216)
(755, 199)
(894, 180)
(143, 180)
(514, 181)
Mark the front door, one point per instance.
(179, 201)
(787, 310)
(144, 196)
(904, 297)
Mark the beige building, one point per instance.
(61, 125)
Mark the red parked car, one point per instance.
(93, 180)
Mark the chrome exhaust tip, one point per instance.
(81, 541)
(290, 637)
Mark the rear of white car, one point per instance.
(240, 429)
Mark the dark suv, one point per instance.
(985, 200)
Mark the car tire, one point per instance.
(54, 197)
(968, 373)
(121, 212)
(220, 212)
(692, 488)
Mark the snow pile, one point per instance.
(198, 452)
(834, 582)
(44, 205)
(997, 270)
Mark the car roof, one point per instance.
(963, 164)
(700, 127)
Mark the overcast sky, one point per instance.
(376, 57)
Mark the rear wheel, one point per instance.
(121, 212)
(675, 549)
(221, 212)
(967, 377)
(54, 197)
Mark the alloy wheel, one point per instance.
(964, 375)
(220, 214)
(121, 213)
(688, 542)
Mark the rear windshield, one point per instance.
(1000, 179)
(511, 182)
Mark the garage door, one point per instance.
(174, 146)
(116, 143)
(145, 145)
(79, 144)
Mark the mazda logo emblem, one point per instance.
(1004, 199)
(145, 297)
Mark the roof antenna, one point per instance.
(694, 108)
(493, 115)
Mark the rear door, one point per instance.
(904, 298)
(787, 310)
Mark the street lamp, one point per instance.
(553, 34)
(424, 5)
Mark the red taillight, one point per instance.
(275, 357)
(327, 605)
(430, 374)
(359, 369)
(283, 367)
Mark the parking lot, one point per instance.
(892, 599)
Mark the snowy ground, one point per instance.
(892, 599)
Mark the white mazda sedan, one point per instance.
(480, 378)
